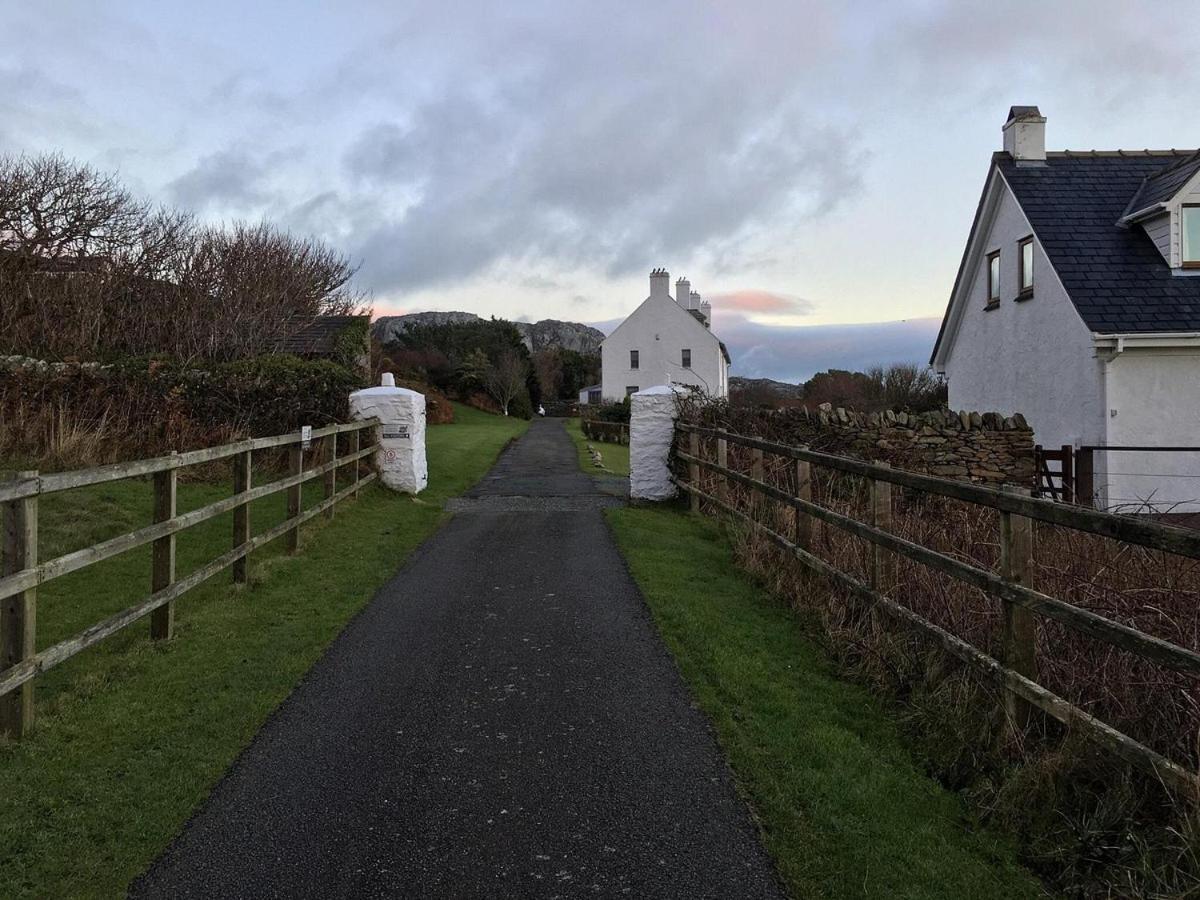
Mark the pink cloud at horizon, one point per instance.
(752, 300)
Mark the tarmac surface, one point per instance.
(501, 720)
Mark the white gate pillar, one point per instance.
(652, 414)
(400, 459)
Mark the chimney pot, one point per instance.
(660, 283)
(1025, 134)
(683, 290)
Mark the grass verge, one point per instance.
(845, 810)
(614, 456)
(131, 735)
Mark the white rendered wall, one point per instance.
(659, 330)
(651, 432)
(1033, 357)
(400, 459)
(1156, 396)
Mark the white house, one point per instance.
(1077, 304)
(665, 341)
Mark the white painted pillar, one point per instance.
(400, 459)
(652, 415)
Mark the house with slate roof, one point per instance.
(1077, 304)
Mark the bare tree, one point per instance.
(87, 270)
(505, 378)
(548, 365)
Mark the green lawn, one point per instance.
(844, 810)
(131, 735)
(615, 457)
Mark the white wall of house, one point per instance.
(1154, 400)
(1033, 357)
(659, 330)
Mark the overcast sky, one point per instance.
(803, 163)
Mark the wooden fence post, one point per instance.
(804, 523)
(331, 475)
(241, 514)
(694, 471)
(355, 444)
(882, 561)
(723, 462)
(1068, 474)
(1085, 476)
(162, 572)
(295, 495)
(18, 613)
(1019, 650)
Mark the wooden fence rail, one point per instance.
(1017, 674)
(21, 573)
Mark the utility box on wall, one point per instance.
(400, 459)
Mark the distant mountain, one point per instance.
(780, 389)
(541, 335)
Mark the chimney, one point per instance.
(683, 292)
(1025, 134)
(706, 311)
(660, 283)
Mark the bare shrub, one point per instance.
(88, 271)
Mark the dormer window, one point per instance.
(993, 279)
(1025, 266)
(1190, 229)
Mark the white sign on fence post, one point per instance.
(305, 437)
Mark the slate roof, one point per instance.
(698, 315)
(1115, 275)
(1164, 184)
(318, 337)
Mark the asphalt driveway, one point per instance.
(502, 720)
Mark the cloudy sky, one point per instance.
(810, 166)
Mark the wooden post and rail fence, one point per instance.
(1016, 672)
(21, 573)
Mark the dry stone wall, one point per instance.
(981, 447)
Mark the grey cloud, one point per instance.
(559, 153)
(225, 179)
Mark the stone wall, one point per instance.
(984, 447)
(971, 446)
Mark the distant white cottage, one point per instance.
(1077, 304)
(665, 341)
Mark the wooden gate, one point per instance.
(1058, 481)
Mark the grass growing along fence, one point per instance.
(845, 810)
(1139, 591)
(132, 734)
(24, 569)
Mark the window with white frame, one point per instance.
(1189, 221)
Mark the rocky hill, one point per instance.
(541, 335)
(764, 386)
